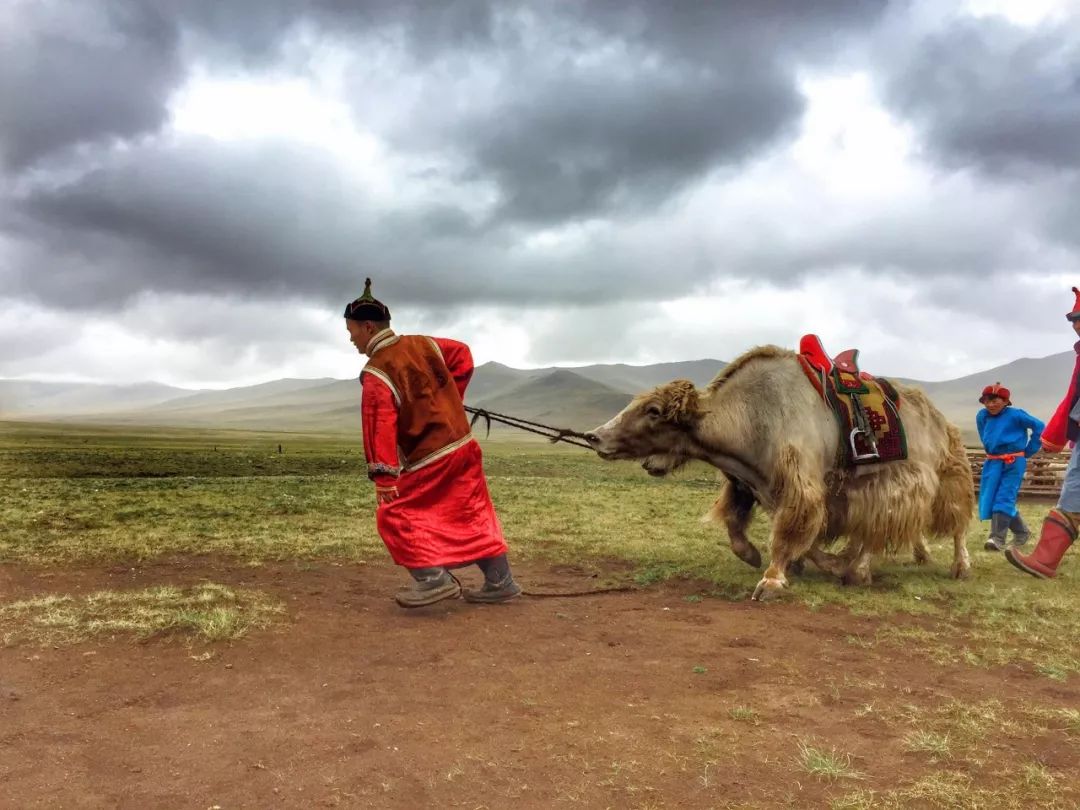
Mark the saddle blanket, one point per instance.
(867, 408)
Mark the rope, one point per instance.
(552, 434)
(564, 594)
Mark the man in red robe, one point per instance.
(433, 508)
(1062, 524)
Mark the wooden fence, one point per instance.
(1043, 477)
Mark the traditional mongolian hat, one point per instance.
(1075, 314)
(366, 307)
(996, 390)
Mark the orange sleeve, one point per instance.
(459, 361)
(379, 416)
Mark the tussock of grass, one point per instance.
(1037, 776)
(928, 742)
(1030, 786)
(208, 612)
(859, 800)
(826, 764)
(954, 730)
(744, 714)
(1055, 719)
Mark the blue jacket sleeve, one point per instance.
(1036, 427)
(980, 423)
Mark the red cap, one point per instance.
(1075, 314)
(996, 390)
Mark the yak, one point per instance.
(767, 429)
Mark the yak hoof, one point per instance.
(961, 569)
(857, 577)
(796, 567)
(768, 588)
(748, 554)
(921, 555)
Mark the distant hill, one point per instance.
(561, 398)
(1037, 386)
(578, 398)
(278, 390)
(27, 398)
(635, 379)
(492, 379)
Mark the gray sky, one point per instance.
(190, 190)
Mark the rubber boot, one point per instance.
(431, 585)
(1021, 533)
(499, 585)
(1057, 535)
(999, 532)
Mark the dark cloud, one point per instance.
(74, 73)
(591, 145)
(595, 105)
(565, 113)
(272, 219)
(992, 95)
(583, 122)
(601, 107)
(259, 221)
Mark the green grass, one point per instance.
(77, 495)
(92, 496)
(928, 742)
(1029, 786)
(208, 612)
(826, 764)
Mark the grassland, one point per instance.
(82, 496)
(74, 497)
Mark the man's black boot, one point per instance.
(432, 585)
(499, 585)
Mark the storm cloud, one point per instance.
(991, 95)
(597, 159)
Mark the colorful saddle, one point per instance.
(866, 408)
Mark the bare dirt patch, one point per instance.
(663, 697)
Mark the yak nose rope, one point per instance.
(552, 434)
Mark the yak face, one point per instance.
(654, 427)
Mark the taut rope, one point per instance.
(552, 434)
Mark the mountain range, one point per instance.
(578, 398)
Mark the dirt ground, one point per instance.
(614, 700)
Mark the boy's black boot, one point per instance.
(499, 585)
(999, 532)
(1021, 533)
(431, 585)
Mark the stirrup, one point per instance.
(870, 439)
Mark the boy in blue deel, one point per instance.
(1010, 437)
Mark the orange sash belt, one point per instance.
(1008, 458)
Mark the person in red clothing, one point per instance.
(434, 512)
(1059, 530)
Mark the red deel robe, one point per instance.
(1058, 431)
(442, 515)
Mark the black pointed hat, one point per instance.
(366, 307)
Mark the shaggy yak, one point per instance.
(764, 425)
